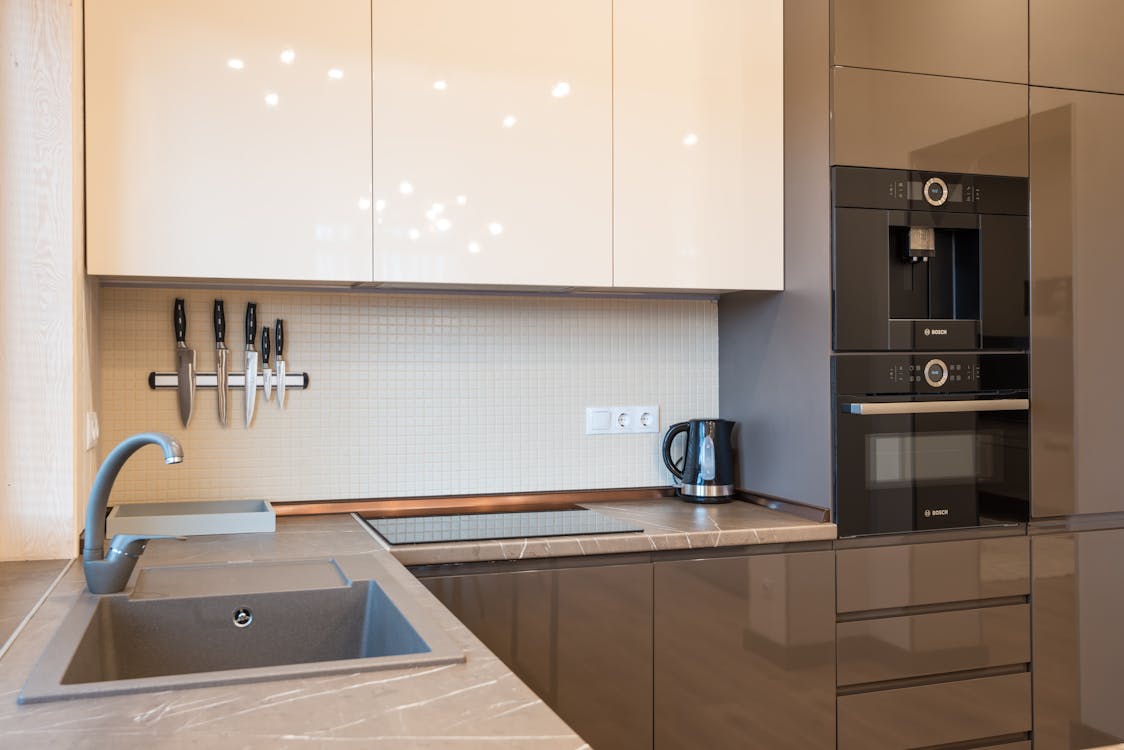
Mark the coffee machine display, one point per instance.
(705, 470)
(926, 261)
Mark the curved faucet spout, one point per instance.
(108, 575)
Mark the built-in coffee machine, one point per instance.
(929, 261)
(930, 371)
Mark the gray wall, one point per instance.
(774, 349)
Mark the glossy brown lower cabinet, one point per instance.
(896, 648)
(1078, 616)
(581, 638)
(744, 653)
(910, 575)
(928, 715)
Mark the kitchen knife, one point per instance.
(279, 340)
(266, 373)
(185, 363)
(251, 387)
(220, 358)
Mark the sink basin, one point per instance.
(191, 626)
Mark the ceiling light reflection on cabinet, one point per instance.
(474, 247)
(335, 74)
(272, 99)
(235, 64)
(509, 121)
(495, 228)
(405, 187)
(414, 235)
(364, 204)
(443, 225)
(690, 139)
(440, 85)
(560, 90)
(462, 200)
(288, 56)
(380, 205)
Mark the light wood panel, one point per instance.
(37, 495)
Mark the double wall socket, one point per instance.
(621, 420)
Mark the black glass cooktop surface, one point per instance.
(480, 526)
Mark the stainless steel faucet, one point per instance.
(109, 575)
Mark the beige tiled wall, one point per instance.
(411, 394)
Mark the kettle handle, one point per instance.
(671, 434)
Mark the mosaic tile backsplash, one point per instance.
(411, 394)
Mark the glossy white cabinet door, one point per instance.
(698, 144)
(229, 139)
(492, 142)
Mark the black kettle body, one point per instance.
(707, 471)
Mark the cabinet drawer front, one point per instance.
(915, 574)
(935, 714)
(893, 648)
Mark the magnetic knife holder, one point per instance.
(165, 380)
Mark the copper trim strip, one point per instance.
(792, 507)
(451, 504)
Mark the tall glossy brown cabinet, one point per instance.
(1076, 44)
(962, 38)
(1077, 160)
(581, 638)
(1078, 595)
(745, 652)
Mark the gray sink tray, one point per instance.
(179, 629)
(192, 518)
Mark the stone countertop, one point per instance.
(668, 524)
(478, 704)
(22, 585)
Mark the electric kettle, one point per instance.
(706, 470)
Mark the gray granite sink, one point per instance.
(196, 625)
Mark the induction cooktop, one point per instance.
(481, 526)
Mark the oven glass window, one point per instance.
(903, 459)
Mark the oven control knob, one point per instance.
(935, 191)
(936, 372)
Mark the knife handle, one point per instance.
(220, 323)
(279, 337)
(251, 323)
(265, 346)
(179, 320)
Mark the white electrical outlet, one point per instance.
(621, 420)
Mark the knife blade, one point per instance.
(251, 387)
(279, 340)
(185, 362)
(267, 374)
(221, 353)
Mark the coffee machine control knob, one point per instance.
(935, 191)
(936, 372)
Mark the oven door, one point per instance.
(930, 462)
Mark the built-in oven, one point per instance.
(930, 441)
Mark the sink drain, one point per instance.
(242, 617)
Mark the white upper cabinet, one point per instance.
(698, 144)
(229, 139)
(493, 142)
